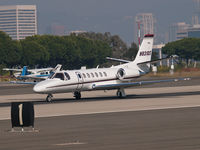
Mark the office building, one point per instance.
(18, 21)
(196, 16)
(178, 31)
(194, 32)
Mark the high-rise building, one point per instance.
(178, 31)
(194, 31)
(196, 16)
(18, 21)
(144, 24)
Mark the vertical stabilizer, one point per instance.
(24, 71)
(145, 50)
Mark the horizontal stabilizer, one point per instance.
(118, 60)
(154, 61)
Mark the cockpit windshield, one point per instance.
(67, 76)
(59, 76)
(51, 75)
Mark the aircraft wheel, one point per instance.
(77, 95)
(49, 98)
(121, 93)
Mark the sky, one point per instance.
(114, 16)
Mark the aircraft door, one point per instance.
(80, 81)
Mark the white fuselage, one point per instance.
(85, 80)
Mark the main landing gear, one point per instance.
(49, 97)
(77, 95)
(121, 93)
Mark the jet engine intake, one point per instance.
(121, 73)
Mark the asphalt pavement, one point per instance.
(169, 129)
(163, 117)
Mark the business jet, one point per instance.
(35, 74)
(116, 77)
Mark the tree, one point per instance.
(71, 51)
(10, 50)
(131, 52)
(118, 46)
(188, 48)
(33, 54)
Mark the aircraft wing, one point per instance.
(40, 70)
(57, 68)
(131, 84)
(10, 69)
(39, 77)
(21, 82)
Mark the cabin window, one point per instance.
(92, 75)
(43, 73)
(101, 75)
(96, 74)
(59, 76)
(67, 76)
(79, 76)
(84, 75)
(105, 74)
(88, 75)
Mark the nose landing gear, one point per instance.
(49, 97)
(77, 95)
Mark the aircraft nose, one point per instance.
(38, 89)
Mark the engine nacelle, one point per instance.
(121, 73)
(126, 73)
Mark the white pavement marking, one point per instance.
(117, 105)
(69, 144)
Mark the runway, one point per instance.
(163, 117)
(174, 129)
